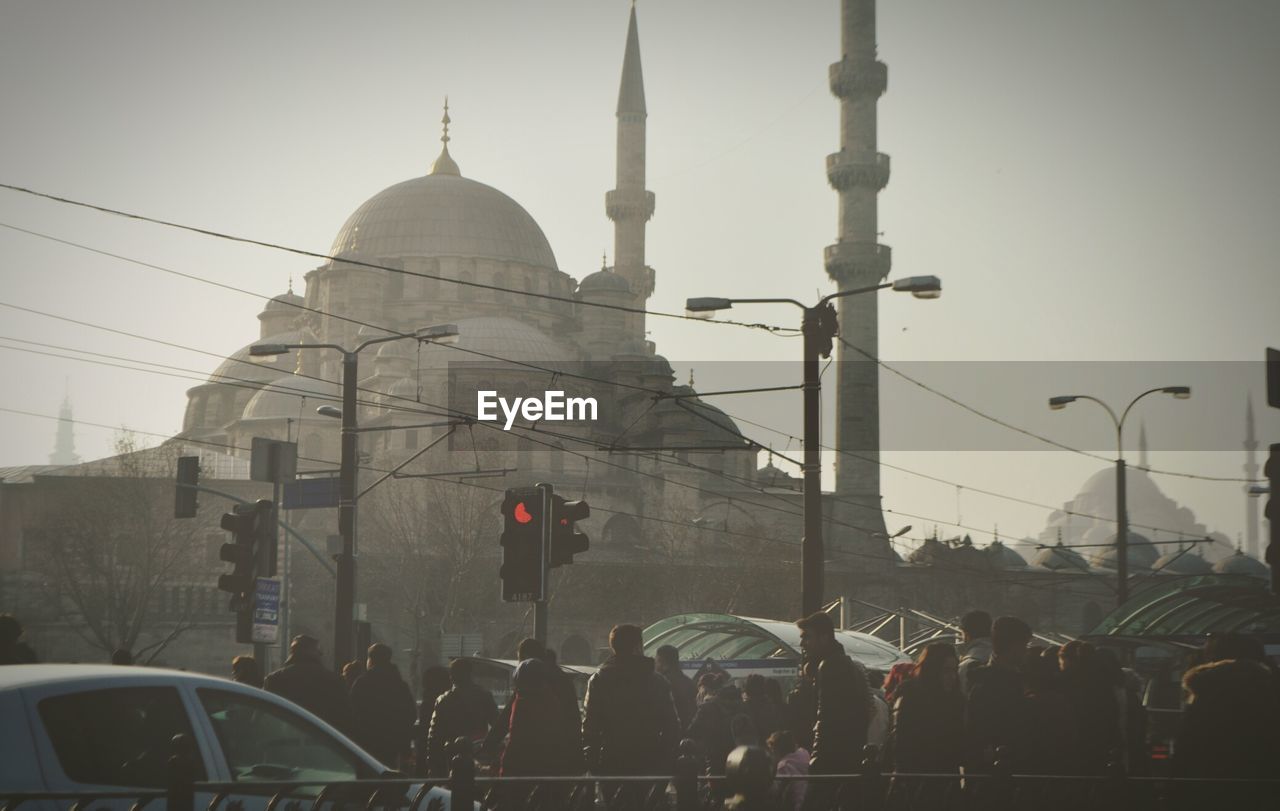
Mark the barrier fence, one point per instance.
(748, 785)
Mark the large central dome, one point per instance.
(444, 215)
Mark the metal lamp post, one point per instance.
(1122, 516)
(345, 587)
(818, 326)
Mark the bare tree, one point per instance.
(110, 551)
(429, 554)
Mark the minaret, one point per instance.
(858, 172)
(629, 205)
(64, 443)
(1252, 543)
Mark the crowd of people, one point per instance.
(994, 700)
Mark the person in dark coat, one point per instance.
(843, 707)
(466, 711)
(541, 738)
(629, 724)
(305, 681)
(757, 701)
(567, 703)
(491, 748)
(382, 708)
(13, 651)
(928, 717)
(1094, 704)
(1054, 737)
(995, 710)
(435, 683)
(683, 691)
(712, 727)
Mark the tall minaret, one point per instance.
(64, 442)
(629, 205)
(1143, 461)
(1252, 544)
(858, 172)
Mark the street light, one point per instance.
(345, 588)
(819, 326)
(1122, 516)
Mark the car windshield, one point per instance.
(264, 742)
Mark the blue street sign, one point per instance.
(266, 610)
(311, 494)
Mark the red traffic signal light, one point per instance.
(521, 513)
(566, 539)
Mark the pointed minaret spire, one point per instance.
(444, 164)
(1142, 445)
(64, 443)
(629, 204)
(1253, 542)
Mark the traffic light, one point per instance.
(248, 527)
(184, 494)
(1272, 512)
(524, 551)
(566, 539)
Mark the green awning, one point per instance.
(1194, 606)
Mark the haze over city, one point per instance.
(1093, 182)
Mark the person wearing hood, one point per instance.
(629, 721)
(467, 710)
(383, 708)
(974, 649)
(305, 681)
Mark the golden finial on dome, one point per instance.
(444, 165)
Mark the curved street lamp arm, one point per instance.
(1135, 400)
(854, 292)
(767, 301)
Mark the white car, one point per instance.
(99, 728)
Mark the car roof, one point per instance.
(19, 676)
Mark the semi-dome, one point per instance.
(242, 367)
(505, 338)
(1240, 563)
(283, 399)
(444, 215)
(1060, 559)
(289, 301)
(604, 281)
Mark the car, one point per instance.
(81, 729)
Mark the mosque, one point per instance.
(682, 519)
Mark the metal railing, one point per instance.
(748, 785)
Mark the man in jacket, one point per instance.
(996, 710)
(629, 724)
(305, 681)
(466, 711)
(683, 691)
(383, 708)
(843, 707)
(974, 649)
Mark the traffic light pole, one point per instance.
(811, 547)
(345, 592)
(540, 606)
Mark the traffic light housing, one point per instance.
(524, 547)
(566, 539)
(252, 539)
(1272, 471)
(184, 493)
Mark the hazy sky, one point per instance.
(1092, 180)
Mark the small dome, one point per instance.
(293, 397)
(444, 215)
(1002, 557)
(1060, 559)
(290, 301)
(1141, 553)
(1240, 563)
(1180, 562)
(242, 367)
(930, 553)
(604, 281)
